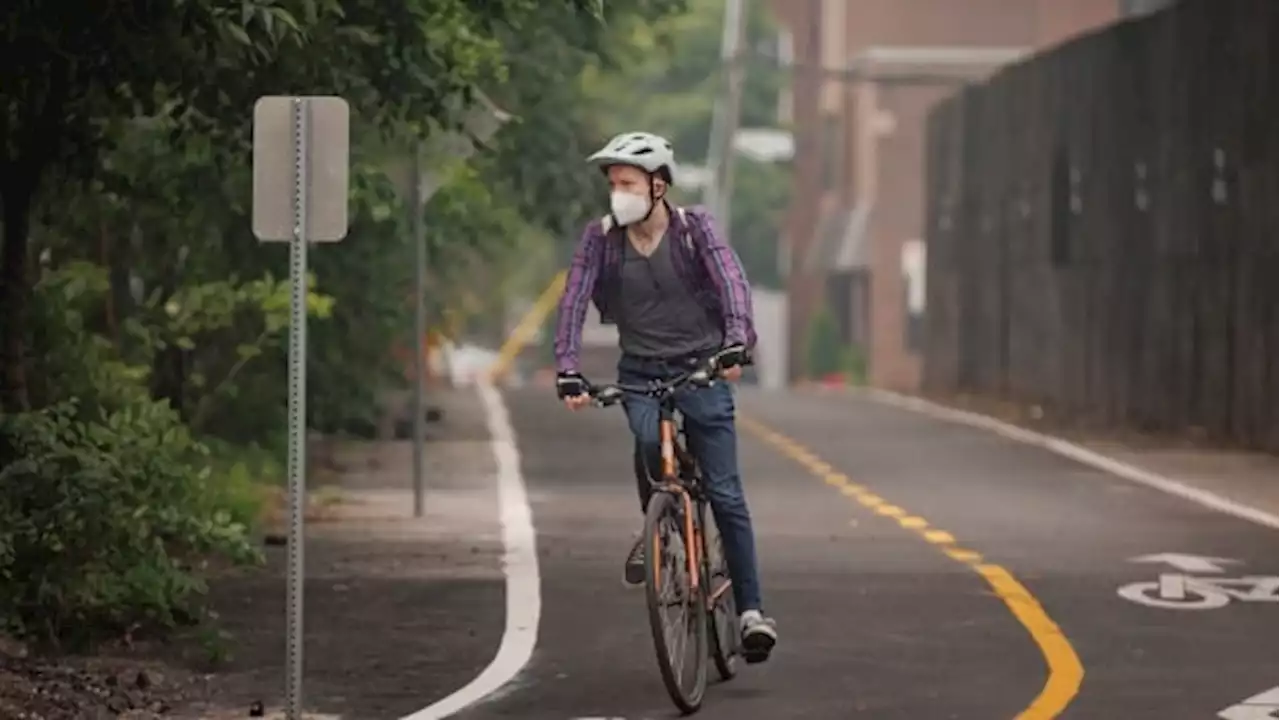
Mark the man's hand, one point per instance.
(571, 387)
(731, 360)
(577, 402)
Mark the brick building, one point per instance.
(865, 74)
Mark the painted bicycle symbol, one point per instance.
(1185, 591)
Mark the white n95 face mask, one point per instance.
(628, 208)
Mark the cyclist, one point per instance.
(679, 296)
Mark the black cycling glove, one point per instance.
(732, 356)
(570, 384)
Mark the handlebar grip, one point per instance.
(606, 396)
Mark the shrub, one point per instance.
(825, 346)
(103, 519)
(853, 363)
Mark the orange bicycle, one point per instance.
(685, 569)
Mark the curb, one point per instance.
(1071, 451)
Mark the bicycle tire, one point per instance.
(722, 614)
(688, 700)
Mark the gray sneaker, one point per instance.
(759, 635)
(633, 569)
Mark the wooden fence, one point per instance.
(1102, 228)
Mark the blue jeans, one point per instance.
(713, 440)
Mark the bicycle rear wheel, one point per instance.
(677, 613)
(722, 611)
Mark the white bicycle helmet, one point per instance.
(647, 151)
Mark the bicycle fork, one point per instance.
(692, 544)
(692, 535)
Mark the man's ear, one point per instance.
(659, 187)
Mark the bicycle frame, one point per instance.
(673, 458)
(671, 482)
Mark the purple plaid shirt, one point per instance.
(707, 264)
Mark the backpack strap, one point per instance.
(688, 235)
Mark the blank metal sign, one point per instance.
(326, 153)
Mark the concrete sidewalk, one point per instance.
(1246, 478)
(400, 611)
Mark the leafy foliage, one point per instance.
(540, 160)
(101, 518)
(829, 355)
(761, 196)
(825, 347)
(131, 450)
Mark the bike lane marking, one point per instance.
(1198, 584)
(520, 565)
(1065, 671)
(1263, 706)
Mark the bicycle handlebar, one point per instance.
(704, 374)
(606, 395)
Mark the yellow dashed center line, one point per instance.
(1065, 672)
(870, 500)
(941, 537)
(962, 555)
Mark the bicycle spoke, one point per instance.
(675, 595)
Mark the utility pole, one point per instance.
(718, 191)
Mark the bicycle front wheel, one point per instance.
(677, 612)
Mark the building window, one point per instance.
(914, 297)
(786, 48)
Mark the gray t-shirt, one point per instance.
(658, 317)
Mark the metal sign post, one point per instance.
(300, 168)
(418, 171)
(419, 332)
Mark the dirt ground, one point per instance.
(385, 593)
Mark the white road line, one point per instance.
(1082, 455)
(520, 564)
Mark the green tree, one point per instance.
(202, 64)
(129, 270)
(539, 160)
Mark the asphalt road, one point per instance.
(917, 569)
